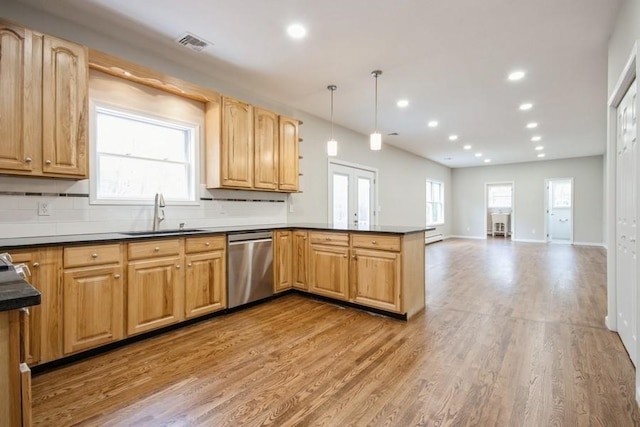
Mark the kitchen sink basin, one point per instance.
(163, 232)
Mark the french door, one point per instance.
(352, 193)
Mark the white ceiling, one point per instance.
(449, 58)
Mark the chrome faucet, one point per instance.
(158, 214)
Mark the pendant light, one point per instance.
(332, 144)
(375, 141)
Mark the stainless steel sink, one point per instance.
(163, 232)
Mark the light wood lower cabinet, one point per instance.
(375, 278)
(155, 289)
(93, 304)
(282, 260)
(15, 375)
(300, 260)
(329, 271)
(206, 277)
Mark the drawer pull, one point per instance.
(328, 238)
(157, 248)
(189, 265)
(94, 255)
(36, 264)
(373, 242)
(47, 162)
(117, 276)
(178, 267)
(27, 160)
(207, 244)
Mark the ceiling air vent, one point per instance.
(193, 42)
(393, 134)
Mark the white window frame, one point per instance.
(490, 186)
(193, 155)
(441, 184)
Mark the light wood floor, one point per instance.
(513, 335)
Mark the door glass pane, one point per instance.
(364, 203)
(340, 200)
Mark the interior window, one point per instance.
(499, 196)
(435, 203)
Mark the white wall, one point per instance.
(626, 32)
(401, 175)
(468, 190)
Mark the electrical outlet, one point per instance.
(44, 209)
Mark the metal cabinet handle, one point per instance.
(94, 255)
(189, 265)
(327, 238)
(207, 244)
(117, 276)
(47, 162)
(373, 242)
(177, 267)
(27, 159)
(157, 248)
(354, 257)
(36, 264)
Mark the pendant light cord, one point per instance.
(332, 90)
(376, 116)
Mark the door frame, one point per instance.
(629, 73)
(376, 207)
(547, 191)
(512, 225)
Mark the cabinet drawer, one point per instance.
(337, 239)
(376, 241)
(91, 255)
(204, 244)
(153, 248)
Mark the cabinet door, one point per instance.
(265, 148)
(288, 155)
(282, 259)
(206, 284)
(64, 100)
(329, 271)
(300, 260)
(237, 144)
(93, 305)
(376, 279)
(155, 290)
(19, 83)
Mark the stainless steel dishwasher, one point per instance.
(249, 267)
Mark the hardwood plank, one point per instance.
(520, 342)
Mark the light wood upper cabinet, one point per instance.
(300, 259)
(206, 277)
(282, 260)
(265, 149)
(44, 87)
(236, 150)
(329, 271)
(288, 155)
(64, 97)
(93, 304)
(19, 102)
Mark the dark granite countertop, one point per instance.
(15, 292)
(31, 242)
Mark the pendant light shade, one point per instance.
(375, 140)
(332, 144)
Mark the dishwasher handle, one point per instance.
(244, 242)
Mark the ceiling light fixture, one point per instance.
(539, 148)
(467, 147)
(478, 154)
(487, 160)
(516, 75)
(536, 138)
(541, 155)
(433, 124)
(332, 144)
(532, 125)
(402, 103)
(296, 31)
(453, 137)
(526, 106)
(375, 140)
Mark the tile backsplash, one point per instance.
(71, 212)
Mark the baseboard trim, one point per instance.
(466, 237)
(529, 241)
(609, 325)
(600, 245)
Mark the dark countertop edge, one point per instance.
(93, 238)
(16, 293)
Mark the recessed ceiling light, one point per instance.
(453, 137)
(541, 155)
(539, 147)
(467, 147)
(526, 106)
(478, 154)
(296, 31)
(487, 160)
(433, 124)
(516, 75)
(402, 103)
(532, 125)
(536, 138)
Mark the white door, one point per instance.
(626, 220)
(560, 210)
(351, 196)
